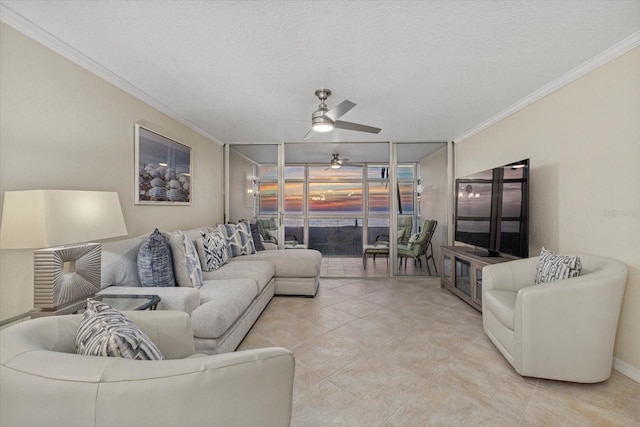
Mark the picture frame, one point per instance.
(163, 170)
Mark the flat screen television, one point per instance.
(492, 210)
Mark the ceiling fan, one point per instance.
(325, 120)
(337, 162)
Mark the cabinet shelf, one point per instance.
(462, 272)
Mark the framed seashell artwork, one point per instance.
(163, 169)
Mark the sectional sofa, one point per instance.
(231, 298)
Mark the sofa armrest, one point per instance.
(171, 331)
(246, 388)
(270, 246)
(171, 298)
(510, 276)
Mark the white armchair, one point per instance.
(43, 381)
(563, 330)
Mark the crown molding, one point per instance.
(611, 53)
(31, 30)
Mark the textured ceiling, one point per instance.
(422, 71)
(356, 152)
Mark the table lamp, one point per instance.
(56, 220)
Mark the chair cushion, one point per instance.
(502, 304)
(376, 249)
(212, 249)
(155, 264)
(265, 226)
(412, 240)
(104, 331)
(404, 251)
(553, 267)
(186, 264)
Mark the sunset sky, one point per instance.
(329, 194)
(333, 198)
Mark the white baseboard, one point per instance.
(625, 369)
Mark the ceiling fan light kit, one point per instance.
(336, 162)
(321, 124)
(325, 120)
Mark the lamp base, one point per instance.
(65, 274)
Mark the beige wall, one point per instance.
(433, 201)
(62, 127)
(584, 144)
(240, 200)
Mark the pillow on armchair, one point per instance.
(412, 240)
(104, 331)
(554, 267)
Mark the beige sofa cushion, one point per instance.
(288, 263)
(221, 304)
(260, 271)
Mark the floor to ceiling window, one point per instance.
(336, 210)
(329, 208)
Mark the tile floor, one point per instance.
(404, 352)
(353, 267)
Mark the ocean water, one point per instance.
(347, 222)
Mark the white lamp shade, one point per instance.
(46, 218)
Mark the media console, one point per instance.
(462, 272)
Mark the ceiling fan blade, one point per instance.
(339, 110)
(355, 126)
(309, 134)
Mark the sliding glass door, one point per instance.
(420, 189)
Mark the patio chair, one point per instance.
(416, 247)
(268, 229)
(405, 226)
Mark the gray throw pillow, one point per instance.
(186, 264)
(104, 331)
(257, 239)
(155, 264)
(552, 267)
(412, 240)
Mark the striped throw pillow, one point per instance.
(238, 237)
(104, 331)
(215, 250)
(186, 263)
(552, 267)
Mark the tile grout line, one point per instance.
(524, 411)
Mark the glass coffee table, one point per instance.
(129, 302)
